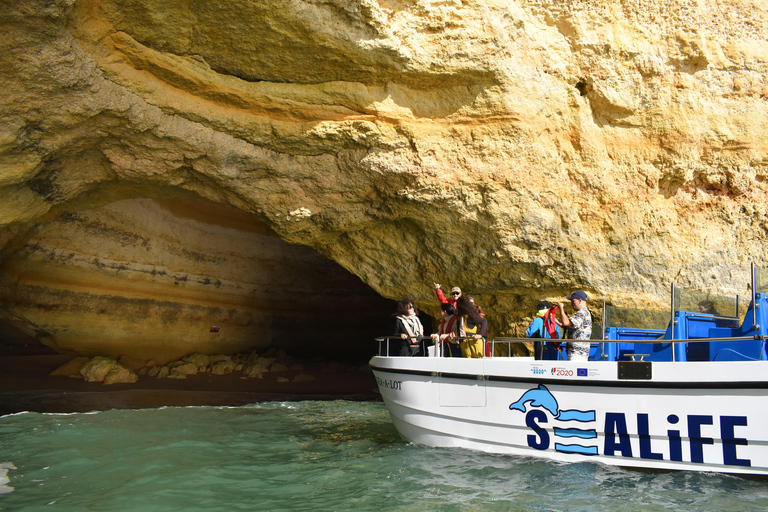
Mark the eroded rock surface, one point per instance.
(518, 149)
(106, 370)
(147, 279)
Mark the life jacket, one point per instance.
(447, 329)
(466, 331)
(411, 335)
(550, 325)
(549, 322)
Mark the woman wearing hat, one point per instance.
(578, 326)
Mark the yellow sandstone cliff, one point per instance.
(163, 163)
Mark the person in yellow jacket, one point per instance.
(471, 325)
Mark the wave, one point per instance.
(4, 479)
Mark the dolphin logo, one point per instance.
(539, 397)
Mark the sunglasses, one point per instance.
(409, 306)
(455, 293)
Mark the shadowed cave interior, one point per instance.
(158, 279)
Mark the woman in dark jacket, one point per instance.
(408, 326)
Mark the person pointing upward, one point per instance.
(455, 294)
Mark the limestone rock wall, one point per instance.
(517, 149)
(161, 279)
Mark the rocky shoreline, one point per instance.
(128, 369)
(67, 383)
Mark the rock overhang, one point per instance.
(412, 142)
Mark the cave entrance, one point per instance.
(161, 279)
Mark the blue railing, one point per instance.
(695, 336)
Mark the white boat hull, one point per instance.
(699, 416)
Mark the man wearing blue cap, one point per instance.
(578, 326)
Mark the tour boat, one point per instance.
(693, 396)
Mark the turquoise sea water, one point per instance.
(318, 456)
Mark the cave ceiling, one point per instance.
(518, 149)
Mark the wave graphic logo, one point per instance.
(573, 438)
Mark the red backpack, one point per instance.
(549, 323)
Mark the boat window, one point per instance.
(761, 278)
(698, 301)
(635, 318)
(597, 327)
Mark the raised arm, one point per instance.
(440, 295)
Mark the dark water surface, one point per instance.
(289, 456)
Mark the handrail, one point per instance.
(419, 337)
(381, 339)
(755, 337)
(717, 317)
(636, 330)
(423, 337)
(398, 337)
(508, 341)
(501, 339)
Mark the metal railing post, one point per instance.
(602, 345)
(603, 337)
(672, 323)
(753, 270)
